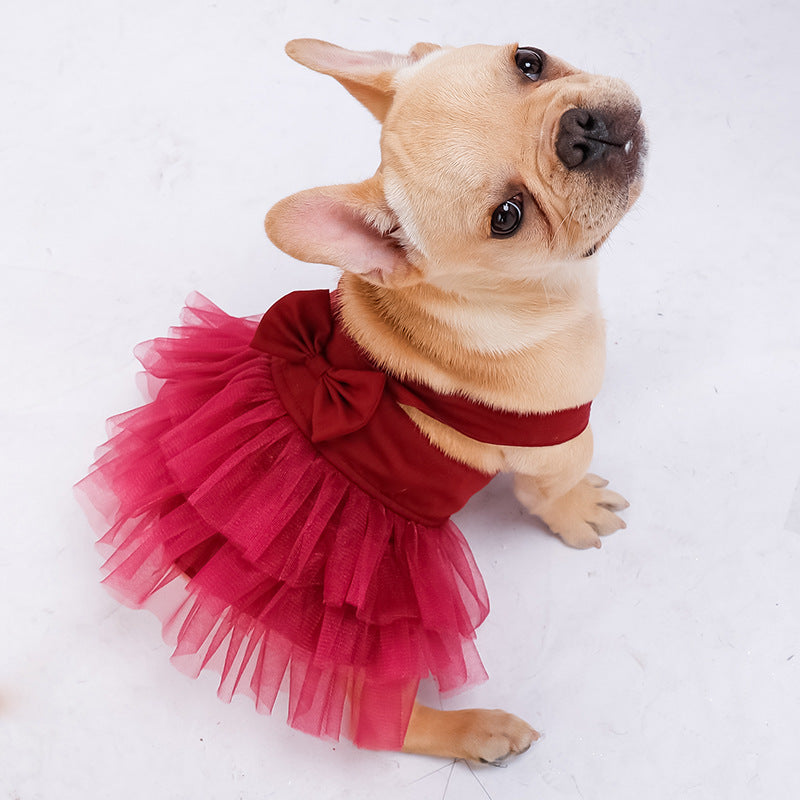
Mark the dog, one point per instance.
(283, 501)
(469, 265)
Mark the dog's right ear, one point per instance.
(349, 226)
(369, 77)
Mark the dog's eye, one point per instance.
(530, 62)
(507, 217)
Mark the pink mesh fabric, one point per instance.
(262, 560)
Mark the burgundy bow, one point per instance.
(342, 399)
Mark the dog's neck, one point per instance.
(516, 344)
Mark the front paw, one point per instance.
(585, 513)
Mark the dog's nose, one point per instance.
(585, 135)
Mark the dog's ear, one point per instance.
(367, 76)
(348, 226)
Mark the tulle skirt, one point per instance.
(262, 560)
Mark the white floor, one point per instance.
(140, 146)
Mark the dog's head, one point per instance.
(497, 162)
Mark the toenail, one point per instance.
(501, 762)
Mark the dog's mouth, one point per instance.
(592, 250)
(631, 155)
(595, 247)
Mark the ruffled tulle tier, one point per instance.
(263, 561)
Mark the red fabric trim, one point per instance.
(492, 425)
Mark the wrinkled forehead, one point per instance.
(464, 115)
(445, 70)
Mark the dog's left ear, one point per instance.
(368, 77)
(348, 226)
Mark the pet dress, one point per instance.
(290, 525)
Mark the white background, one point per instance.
(141, 144)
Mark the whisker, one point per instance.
(478, 779)
(449, 775)
(562, 223)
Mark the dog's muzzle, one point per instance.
(598, 139)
